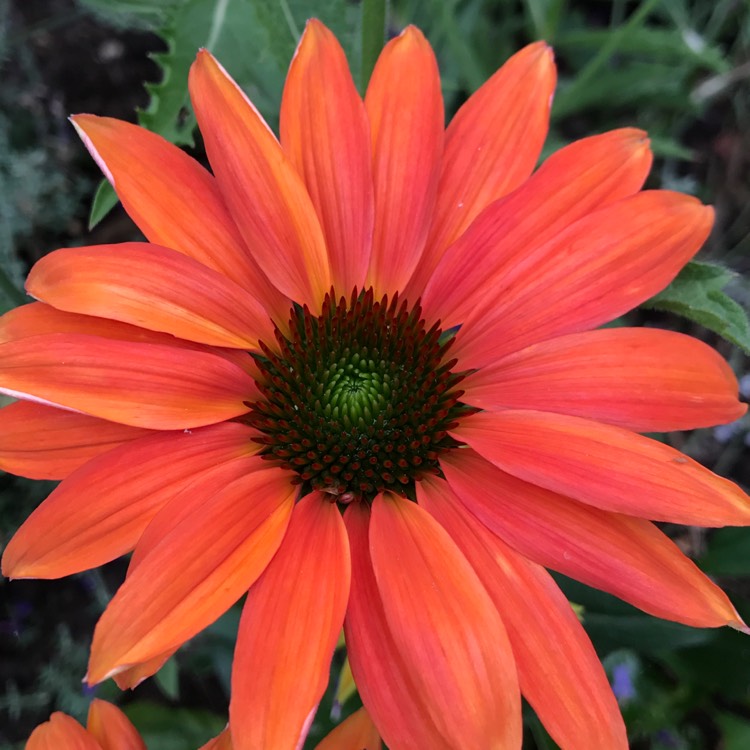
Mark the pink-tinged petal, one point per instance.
(222, 741)
(36, 319)
(61, 732)
(111, 728)
(586, 175)
(491, 147)
(598, 268)
(558, 670)
(152, 287)
(449, 632)
(142, 385)
(356, 732)
(261, 187)
(174, 201)
(390, 692)
(130, 678)
(325, 133)
(608, 467)
(99, 512)
(288, 632)
(41, 442)
(643, 379)
(626, 556)
(405, 108)
(199, 569)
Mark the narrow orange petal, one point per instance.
(405, 108)
(626, 556)
(36, 319)
(288, 632)
(598, 268)
(449, 632)
(99, 512)
(41, 442)
(111, 728)
(643, 379)
(558, 670)
(200, 568)
(491, 146)
(174, 201)
(152, 287)
(586, 175)
(356, 732)
(130, 678)
(261, 187)
(61, 732)
(608, 467)
(389, 691)
(142, 385)
(324, 131)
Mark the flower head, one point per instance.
(107, 727)
(358, 374)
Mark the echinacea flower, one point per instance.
(358, 374)
(107, 728)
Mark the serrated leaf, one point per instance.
(105, 199)
(253, 39)
(697, 294)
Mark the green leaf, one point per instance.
(169, 728)
(728, 553)
(736, 731)
(697, 294)
(105, 199)
(168, 679)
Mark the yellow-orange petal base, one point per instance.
(357, 373)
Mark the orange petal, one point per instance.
(174, 201)
(130, 678)
(152, 287)
(200, 568)
(586, 175)
(99, 512)
(288, 632)
(598, 268)
(111, 728)
(611, 468)
(356, 732)
(325, 133)
(142, 385)
(41, 442)
(643, 379)
(449, 633)
(37, 318)
(61, 732)
(491, 147)
(626, 556)
(221, 742)
(405, 107)
(261, 187)
(389, 691)
(558, 669)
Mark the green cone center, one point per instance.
(359, 399)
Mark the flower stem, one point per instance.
(373, 35)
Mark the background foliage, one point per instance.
(677, 68)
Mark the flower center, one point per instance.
(359, 399)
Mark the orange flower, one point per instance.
(213, 406)
(107, 729)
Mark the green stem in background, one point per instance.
(10, 290)
(373, 36)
